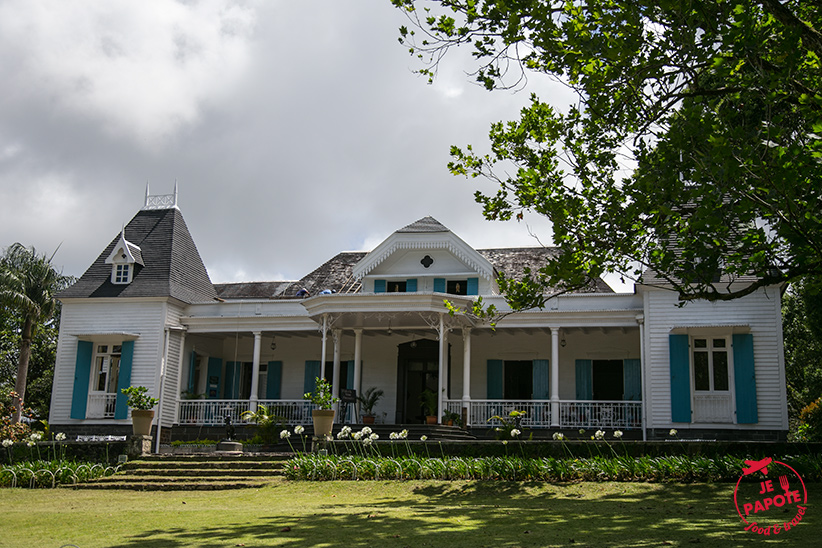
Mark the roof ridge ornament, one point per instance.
(161, 201)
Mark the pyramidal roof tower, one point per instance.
(154, 255)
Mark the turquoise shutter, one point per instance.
(411, 285)
(192, 365)
(680, 378)
(215, 369)
(349, 381)
(82, 372)
(632, 380)
(473, 286)
(124, 380)
(379, 286)
(494, 380)
(541, 373)
(584, 374)
(228, 387)
(273, 381)
(745, 379)
(439, 285)
(312, 371)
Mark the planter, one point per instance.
(323, 421)
(141, 420)
(430, 419)
(368, 419)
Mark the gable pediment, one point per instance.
(425, 248)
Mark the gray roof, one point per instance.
(426, 224)
(512, 261)
(172, 265)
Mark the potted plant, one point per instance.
(450, 418)
(428, 400)
(368, 400)
(323, 416)
(269, 424)
(142, 409)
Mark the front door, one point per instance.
(417, 371)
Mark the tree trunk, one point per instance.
(22, 369)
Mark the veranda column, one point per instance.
(554, 376)
(466, 373)
(255, 371)
(336, 336)
(443, 367)
(640, 319)
(357, 359)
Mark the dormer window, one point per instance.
(123, 260)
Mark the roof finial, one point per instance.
(175, 192)
(147, 194)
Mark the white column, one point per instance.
(640, 319)
(336, 336)
(466, 371)
(357, 360)
(443, 368)
(555, 376)
(255, 369)
(325, 336)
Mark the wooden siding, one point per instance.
(760, 311)
(145, 318)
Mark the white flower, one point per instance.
(30, 443)
(394, 436)
(299, 429)
(7, 443)
(618, 434)
(365, 431)
(581, 431)
(367, 441)
(60, 436)
(357, 435)
(374, 437)
(672, 432)
(599, 434)
(36, 436)
(403, 434)
(558, 436)
(515, 433)
(423, 438)
(285, 434)
(505, 442)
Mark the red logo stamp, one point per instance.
(773, 505)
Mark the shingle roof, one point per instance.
(512, 261)
(426, 224)
(252, 290)
(172, 265)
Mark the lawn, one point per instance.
(392, 514)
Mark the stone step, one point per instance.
(200, 464)
(171, 486)
(204, 472)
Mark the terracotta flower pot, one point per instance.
(323, 421)
(141, 420)
(368, 419)
(430, 419)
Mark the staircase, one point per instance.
(192, 473)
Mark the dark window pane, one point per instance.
(721, 371)
(719, 343)
(457, 287)
(700, 343)
(395, 287)
(702, 379)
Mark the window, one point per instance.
(457, 287)
(122, 274)
(106, 368)
(395, 286)
(710, 362)
(518, 383)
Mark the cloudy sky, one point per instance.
(295, 130)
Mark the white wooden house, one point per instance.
(146, 313)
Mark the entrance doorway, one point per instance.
(417, 371)
(608, 381)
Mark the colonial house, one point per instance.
(146, 313)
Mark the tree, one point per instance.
(694, 149)
(28, 285)
(802, 329)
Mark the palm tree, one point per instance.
(28, 286)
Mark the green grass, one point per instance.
(392, 514)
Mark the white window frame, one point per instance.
(709, 349)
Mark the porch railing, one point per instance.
(213, 412)
(572, 413)
(101, 406)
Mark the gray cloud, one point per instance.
(295, 130)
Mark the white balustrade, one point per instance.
(101, 406)
(213, 412)
(573, 413)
